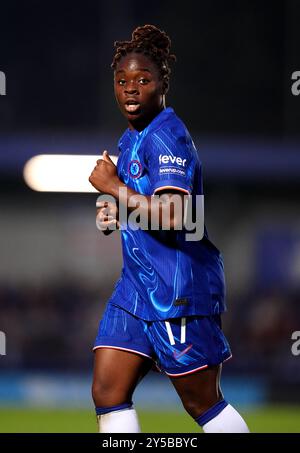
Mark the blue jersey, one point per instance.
(164, 275)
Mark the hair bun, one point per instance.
(154, 36)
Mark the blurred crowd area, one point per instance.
(236, 58)
(50, 327)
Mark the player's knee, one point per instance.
(105, 394)
(101, 393)
(195, 408)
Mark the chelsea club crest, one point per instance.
(135, 168)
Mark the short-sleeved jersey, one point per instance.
(164, 275)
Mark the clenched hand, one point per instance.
(104, 177)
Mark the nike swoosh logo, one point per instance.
(177, 355)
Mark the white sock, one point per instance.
(123, 421)
(227, 421)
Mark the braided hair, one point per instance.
(152, 42)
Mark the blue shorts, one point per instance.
(179, 346)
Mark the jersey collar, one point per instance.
(165, 113)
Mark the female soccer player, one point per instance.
(167, 304)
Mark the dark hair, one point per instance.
(150, 41)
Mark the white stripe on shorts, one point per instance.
(183, 330)
(170, 333)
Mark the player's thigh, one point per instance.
(122, 356)
(116, 375)
(119, 369)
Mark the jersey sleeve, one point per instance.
(171, 161)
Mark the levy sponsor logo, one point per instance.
(166, 159)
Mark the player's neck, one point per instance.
(141, 123)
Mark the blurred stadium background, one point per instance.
(232, 87)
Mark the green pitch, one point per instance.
(271, 419)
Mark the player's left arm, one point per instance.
(156, 210)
